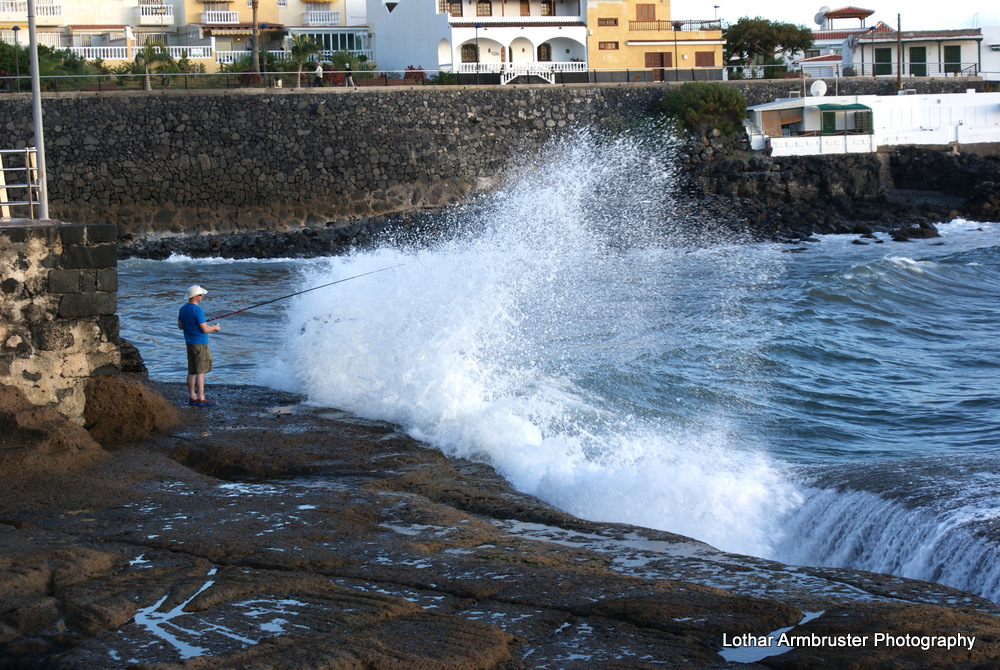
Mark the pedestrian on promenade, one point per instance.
(318, 75)
(348, 79)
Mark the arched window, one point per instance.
(484, 8)
(469, 53)
(544, 52)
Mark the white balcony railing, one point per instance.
(216, 17)
(178, 53)
(227, 57)
(8, 7)
(104, 53)
(322, 18)
(156, 15)
(523, 68)
(48, 11)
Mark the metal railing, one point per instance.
(25, 184)
(569, 72)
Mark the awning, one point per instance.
(830, 107)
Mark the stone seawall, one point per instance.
(224, 161)
(221, 161)
(58, 325)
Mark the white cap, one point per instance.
(195, 290)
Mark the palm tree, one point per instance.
(154, 56)
(255, 4)
(303, 47)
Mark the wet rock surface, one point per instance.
(261, 532)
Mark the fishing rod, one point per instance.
(290, 295)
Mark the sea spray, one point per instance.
(505, 341)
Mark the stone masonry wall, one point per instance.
(220, 161)
(58, 298)
(226, 161)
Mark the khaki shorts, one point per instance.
(199, 359)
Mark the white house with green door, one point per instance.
(866, 123)
(916, 53)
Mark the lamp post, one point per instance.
(872, 31)
(716, 12)
(36, 108)
(17, 60)
(478, 67)
(677, 28)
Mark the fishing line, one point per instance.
(314, 288)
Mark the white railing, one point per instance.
(48, 11)
(538, 68)
(229, 57)
(178, 52)
(322, 18)
(151, 15)
(14, 7)
(487, 20)
(328, 55)
(218, 17)
(104, 53)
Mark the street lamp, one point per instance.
(478, 67)
(872, 31)
(677, 27)
(17, 60)
(716, 12)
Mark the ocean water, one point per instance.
(828, 404)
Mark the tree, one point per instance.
(701, 106)
(755, 41)
(303, 47)
(255, 4)
(154, 58)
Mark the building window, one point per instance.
(525, 8)
(645, 12)
(456, 8)
(547, 8)
(704, 59)
(607, 22)
(469, 53)
(811, 53)
(282, 3)
(544, 53)
(607, 46)
(484, 8)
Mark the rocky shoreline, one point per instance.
(262, 532)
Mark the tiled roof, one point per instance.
(849, 13)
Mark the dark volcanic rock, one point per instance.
(262, 533)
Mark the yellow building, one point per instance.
(638, 37)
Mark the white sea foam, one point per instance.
(486, 346)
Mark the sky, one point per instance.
(915, 14)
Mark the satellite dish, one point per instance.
(818, 88)
(820, 17)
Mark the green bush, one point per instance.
(700, 106)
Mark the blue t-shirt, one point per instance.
(191, 317)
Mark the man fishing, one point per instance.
(191, 320)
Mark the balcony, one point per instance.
(48, 10)
(220, 18)
(321, 19)
(155, 15)
(674, 25)
(13, 10)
